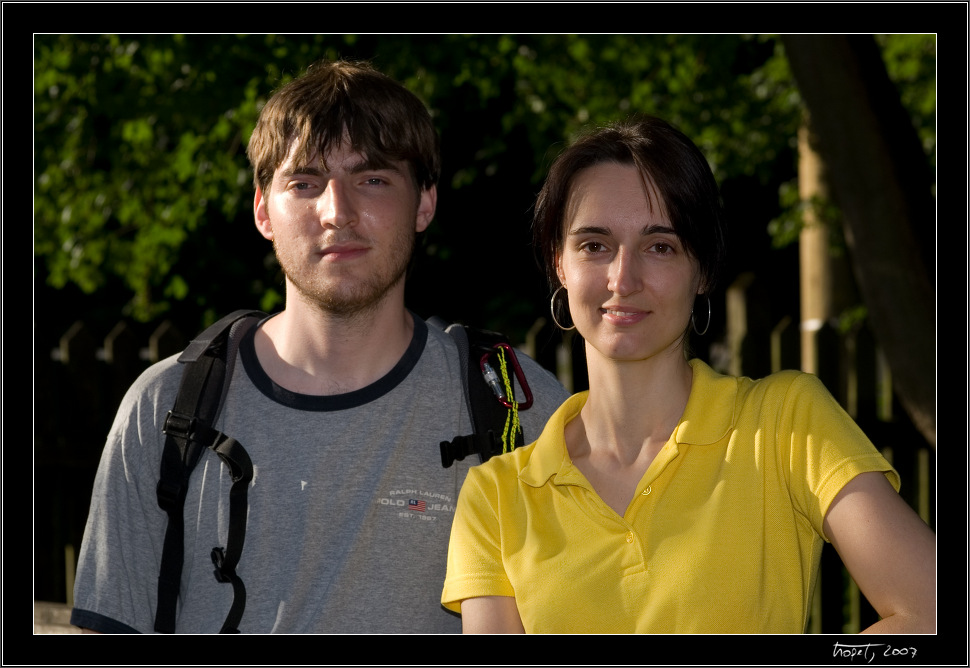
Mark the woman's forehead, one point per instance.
(609, 189)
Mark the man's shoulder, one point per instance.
(155, 387)
(531, 368)
(160, 376)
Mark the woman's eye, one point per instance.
(592, 247)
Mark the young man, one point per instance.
(340, 400)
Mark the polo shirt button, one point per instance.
(646, 491)
(629, 537)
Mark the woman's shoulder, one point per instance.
(780, 384)
(504, 466)
(789, 385)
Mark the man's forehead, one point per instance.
(342, 154)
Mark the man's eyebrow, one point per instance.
(367, 164)
(362, 165)
(300, 169)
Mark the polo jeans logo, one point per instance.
(419, 504)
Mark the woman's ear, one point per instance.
(703, 285)
(559, 272)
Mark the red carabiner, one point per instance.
(524, 405)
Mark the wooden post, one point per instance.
(748, 333)
(165, 341)
(121, 354)
(530, 347)
(825, 279)
(784, 346)
(825, 291)
(736, 305)
(814, 278)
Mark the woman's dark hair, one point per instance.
(664, 156)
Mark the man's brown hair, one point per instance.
(382, 119)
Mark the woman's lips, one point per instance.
(623, 315)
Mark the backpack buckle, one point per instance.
(461, 446)
(218, 560)
(179, 425)
(167, 494)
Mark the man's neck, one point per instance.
(308, 351)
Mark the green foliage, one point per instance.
(141, 178)
(851, 318)
(135, 146)
(911, 64)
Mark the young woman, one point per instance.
(669, 498)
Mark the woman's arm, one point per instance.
(490, 614)
(888, 550)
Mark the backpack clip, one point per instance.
(218, 560)
(461, 446)
(495, 383)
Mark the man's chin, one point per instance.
(350, 305)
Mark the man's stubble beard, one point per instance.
(349, 298)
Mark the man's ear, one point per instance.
(427, 202)
(261, 215)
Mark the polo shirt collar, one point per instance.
(711, 407)
(708, 417)
(549, 455)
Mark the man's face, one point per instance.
(344, 232)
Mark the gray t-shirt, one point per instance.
(350, 509)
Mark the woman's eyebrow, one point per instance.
(657, 229)
(590, 229)
(647, 230)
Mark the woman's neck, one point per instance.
(630, 402)
(630, 414)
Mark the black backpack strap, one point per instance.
(225, 560)
(208, 360)
(488, 369)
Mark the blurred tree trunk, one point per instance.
(883, 184)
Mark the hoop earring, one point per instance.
(694, 322)
(552, 309)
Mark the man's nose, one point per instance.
(336, 205)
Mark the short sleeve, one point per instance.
(117, 575)
(475, 563)
(827, 448)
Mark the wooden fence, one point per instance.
(79, 386)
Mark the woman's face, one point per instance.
(630, 280)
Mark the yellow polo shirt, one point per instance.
(724, 534)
